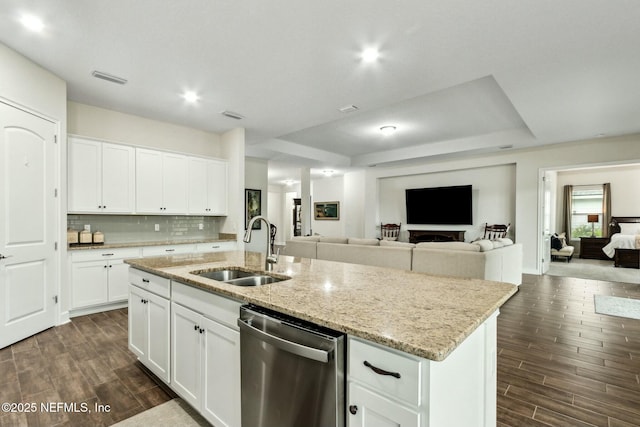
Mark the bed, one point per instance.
(624, 244)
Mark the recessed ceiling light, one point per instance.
(288, 182)
(190, 96)
(32, 23)
(370, 55)
(387, 130)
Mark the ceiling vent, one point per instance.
(109, 77)
(348, 109)
(232, 115)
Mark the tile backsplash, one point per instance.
(141, 228)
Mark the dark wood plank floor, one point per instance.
(86, 361)
(559, 363)
(562, 364)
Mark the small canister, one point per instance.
(98, 237)
(72, 236)
(84, 237)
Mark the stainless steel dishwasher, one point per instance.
(292, 372)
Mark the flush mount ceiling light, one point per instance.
(190, 96)
(288, 182)
(387, 130)
(327, 172)
(370, 55)
(348, 109)
(32, 23)
(108, 77)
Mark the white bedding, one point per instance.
(618, 240)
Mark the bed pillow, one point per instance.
(629, 228)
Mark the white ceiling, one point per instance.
(455, 76)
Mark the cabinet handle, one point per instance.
(145, 280)
(196, 327)
(381, 371)
(353, 409)
(105, 266)
(169, 250)
(201, 330)
(107, 254)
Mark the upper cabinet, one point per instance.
(121, 179)
(101, 177)
(161, 182)
(207, 187)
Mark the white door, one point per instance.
(159, 320)
(217, 185)
(369, 409)
(118, 178)
(197, 171)
(186, 332)
(174, 183)
(84, 165)
(28, 218)
(148, 181)
(546, 222)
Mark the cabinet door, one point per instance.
(88, 283)
(198, 187)
(174, 183)
(217, 188)
(85, 193)
(118, 280)
(221, 364)
(374, 410)
(138, 337)
(158, 327)
(118, 178)
(185, 353)
(148, 181)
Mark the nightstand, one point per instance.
(591, 247)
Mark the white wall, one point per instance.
(493, 196)
(256, 178)
(109, 125)
(26, 84)
(276, 213)
(530, 165)
(329, 190)
(232, 149)
(354, 199)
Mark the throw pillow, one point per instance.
(505, 241)
(484, 244)
(555, 243)
(457, 246)
(497, 244)
(563, 239)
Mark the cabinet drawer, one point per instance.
(216, 307)
(216, 247)
(156, 284)
(100, 254)
(410, 369)
(167, 250)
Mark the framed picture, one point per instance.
(326, 210)
(252, 207)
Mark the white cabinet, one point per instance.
(149, 321)
(99, 276)
(101, 177)
(148, 251)
(387, 387)
(216, 246)
(205, 353)
(161, 182)
(207, 186)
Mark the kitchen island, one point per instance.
(445, 326)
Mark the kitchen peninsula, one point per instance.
(441, 329)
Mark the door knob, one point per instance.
(353, 409)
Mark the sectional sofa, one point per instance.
(498, 260)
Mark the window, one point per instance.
(586, 200)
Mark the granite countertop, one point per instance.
(428, 316)
(78, 246)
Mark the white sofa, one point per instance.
(499, 260)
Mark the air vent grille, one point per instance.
(109, 77)
(348, 109)
(232, 115)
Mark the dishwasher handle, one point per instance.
(323, 356)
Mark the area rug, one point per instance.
(172, 413)
(616, 306)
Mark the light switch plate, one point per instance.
(87, 227)
(157, 227)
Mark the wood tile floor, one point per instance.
(562, 364)
(559, 363)
(86, 361)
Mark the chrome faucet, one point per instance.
(271, 258)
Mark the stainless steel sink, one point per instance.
(240, 277)
(225, 275)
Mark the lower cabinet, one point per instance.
(149, 320)
(205, 356)
(387, 387)
(99, 277)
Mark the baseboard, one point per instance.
(97, 308)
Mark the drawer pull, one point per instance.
(145, 280)
(381, 371)
(107, 254)
(169, 250)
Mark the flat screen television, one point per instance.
(439, 205)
